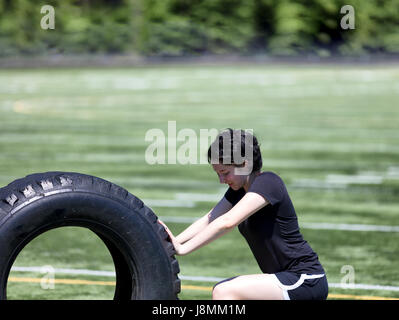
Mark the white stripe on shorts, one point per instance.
(297, 284)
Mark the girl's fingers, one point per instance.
(163, 224)
(166, 228)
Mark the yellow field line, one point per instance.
(184, 287)
(349, 296)
(331, 295)
(61, 281)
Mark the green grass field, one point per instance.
(331, 132)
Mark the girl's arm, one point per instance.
(222, 207)
(248, 205)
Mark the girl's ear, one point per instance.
(244, 169)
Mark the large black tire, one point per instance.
(144, 259)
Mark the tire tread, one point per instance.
(39, 183)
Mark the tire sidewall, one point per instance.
(127, 229)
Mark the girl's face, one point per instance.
(226, 175)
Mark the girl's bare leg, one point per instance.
(249, 287)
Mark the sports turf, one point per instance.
(330, 131)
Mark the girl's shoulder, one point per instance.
(269, 185)
(268, 175)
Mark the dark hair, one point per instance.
(234, 147)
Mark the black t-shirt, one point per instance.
(273, 232)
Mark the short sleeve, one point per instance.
(234, 196)
(269, 186)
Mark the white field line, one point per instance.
(348, 227)
(169, 203)
(184, 200)
(341, 181)
(307, 225)
(331, 181)
(66, 271)
(359, 286)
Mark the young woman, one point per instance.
(258, 203)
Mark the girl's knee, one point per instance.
(223, 291)
(219, 292)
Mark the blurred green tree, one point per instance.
(191, 27)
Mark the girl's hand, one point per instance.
(176, 244)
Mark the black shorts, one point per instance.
(302, 286)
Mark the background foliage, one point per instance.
(192, 27)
